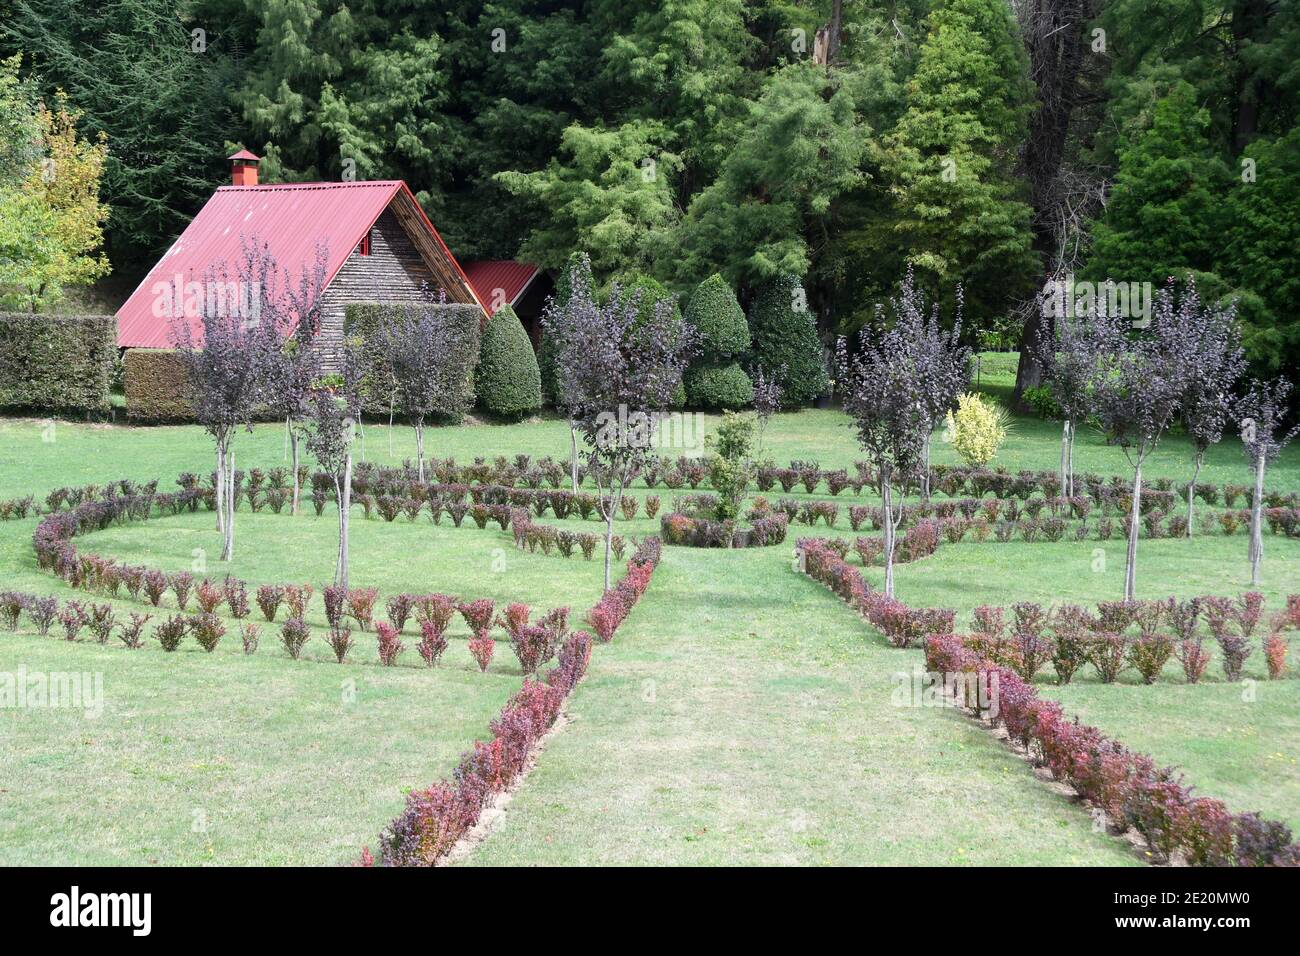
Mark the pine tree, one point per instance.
(1164, 216)
(785, 340)
(950, 157)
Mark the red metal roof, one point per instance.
(510, 277)
(291, 218)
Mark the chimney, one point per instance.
(243, 168)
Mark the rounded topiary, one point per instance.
(720, 386)
(507, 378)
(718, 320)
(785, 337)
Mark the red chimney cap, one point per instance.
(245, 154)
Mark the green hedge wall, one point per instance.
(57, 363)
(360, 318)
(156, 385)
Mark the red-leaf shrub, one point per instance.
(340, 641)
(1250, 606)
(132, 632)
(432, 643)
(250, 634)
(390, 645)
(171, 632)
(336, 598)
(155, 586)
(990, 620)
(1192, 656)
(1275, 655)
(436, 610)
(1149, 654)
(43, 612)
(208, 630)
(1107, 653)
(182, 582)
(481, 648)
(398, 608)
(361, 606)
(100, 617)
(269, 599)
(294, 634)
(478, 615)
(297, 598)
(210, 596)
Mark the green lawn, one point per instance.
(741, 715)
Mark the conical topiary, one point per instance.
(507, 378)
(718, 320)
(785, 340)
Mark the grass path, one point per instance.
(743, 716)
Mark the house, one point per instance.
(380, 247)
(522, 286)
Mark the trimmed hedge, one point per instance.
(61, 363)
(156, 383)
(718, 386)
(718, 319)
(360, 318)
(785, 335)
(507, 378)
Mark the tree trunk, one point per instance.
(1065, 457)
(297, 490)
(614, 501)
(573, 457)
(220, 485)
(925, 463)
(1069, 460)
(1256, 523)
(1130, 565)
(1191, 490)
(343, 492)
(888, 507)
(419, 448)
(228, 544)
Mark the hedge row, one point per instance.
(156, 384)
(56, 362)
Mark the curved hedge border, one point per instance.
(1132, 790)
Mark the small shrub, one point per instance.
(209, 596)
(336, 598)
(269, 599)
(1107, 653)
(1275, 655)
(482, 648)
(182, 582)
(1234, 649)
(101, 620)
(155, 586)
(294, 634)
(361, 606)
(297, 598)
(1193, 658)
(72, 619)
(43, 612)
(171, 632)
(1149, 654)
(208, 630)
(236, 594)
(340, 641)
(651, 505)
(249, 635)
(478, 615)
(432, 643)
(132, 631)
(399, 607)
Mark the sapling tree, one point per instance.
(1261, 412)
(335, 409)
(618, 366)
(768, 397)
(228, 351)
(730, 469)
(1138, 395)
(882, 389)
(941, 365)
(430, 361)
(1215, 363)
(294, 367)
(558, 329)
(1069, 351)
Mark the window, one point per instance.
(364, 248)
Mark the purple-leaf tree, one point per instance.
(334, 407)
(227, 365)
(768, 398)
(884, 390)
(559, 325)
(1263, 436)
(429, 359)
(1069, 352)
(618, 372)
(1214, 366)
(942, 363)
(1138, 395)
(295, 366)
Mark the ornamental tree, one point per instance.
(716, 379)
(1069, 350)
(1261, 412)
(334, 405)
(506, 378)
(1139, 393)
(428, 352)
(884, 393)
(229, 367)
(575, 291)
(619, 367)
(1214, 366)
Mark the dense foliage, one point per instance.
(507, 379)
